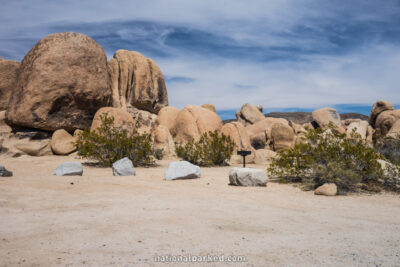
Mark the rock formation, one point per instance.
(379, 107)
(63, 81)
(167, 117)
(249, 114)
(324, 116)
(8, 80)
(121, 118)
(137, 81)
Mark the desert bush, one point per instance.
(109, 143)
(212, 149)
(330, 157)
(389, 147)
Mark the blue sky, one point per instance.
(283, 54)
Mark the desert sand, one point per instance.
(101, 220)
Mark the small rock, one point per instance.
(69, 169)
(123, 167)
(247, 177)
(326, 189)
(4, 172)
(182, 170)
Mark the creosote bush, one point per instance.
(330, 157)
(109, 143)
(212, 149)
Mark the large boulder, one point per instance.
(193, 121)
(249, 114)
(282, 136)
(210, 107)
(379, 107)
(122, 118)
(123, 167)
(182, 170)
(326, 190)
(247, 177)
(385, 121)
(394, 132)
(163, 140)
(146, 121)
(137, 81)
(167, 117)
(62, 142)
(8, 80)
(264, 156)
(34, 147)
(360, 127)
(63, 81)
(260, 132)
(4, 128)
(237, 132)
(324, 116)
(69, 169)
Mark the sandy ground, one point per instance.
(102, 220)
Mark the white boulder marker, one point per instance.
(247, 177)
(182, 170)
(69, 169)
(123, 167)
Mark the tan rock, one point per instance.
(370, 134)
(144, 119)
(62, 143)
(121, 118)
(163, 140)
(360, 127)
(394, 132)
(237, 132)
(210, 107)
(326, 190)
(193, 121)
(264, 156)
(385, 121)
(347, 122)
(249, 114)
(379, 107)
(260, 132)
(8, 80)
(63, 81)
(4, 128)
(324, 116)
(282, 136)
(167, 117)
(137, 81)
(34, 147)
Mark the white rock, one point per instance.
(182, 170)
(248, 177)
(123, 167)
(69, 169)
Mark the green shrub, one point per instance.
(329, 157)
(389, 147)
(211, 149)
(109, 143)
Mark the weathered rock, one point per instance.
(34, 147)
(69, 169)
(137, 81)
(193, 121)
(324, 116)
(237, 132)
(377, 109)
(370, 134)
(167, 117)
(249, 114)
(63, 81)
(62, 143)
(209, 107)
(122, 118)
(360, 127)
(247, 177)
(260, 132)
(182, 170)
(385, 121)
(326, 190)
(163, 140)
(264, 156)
(282, 136)
(4, 128)
(347, 122)
(123, 167)
(8, 80)
(146, 120)
(394, 132)
(4, 172)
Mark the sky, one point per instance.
(283, 54)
